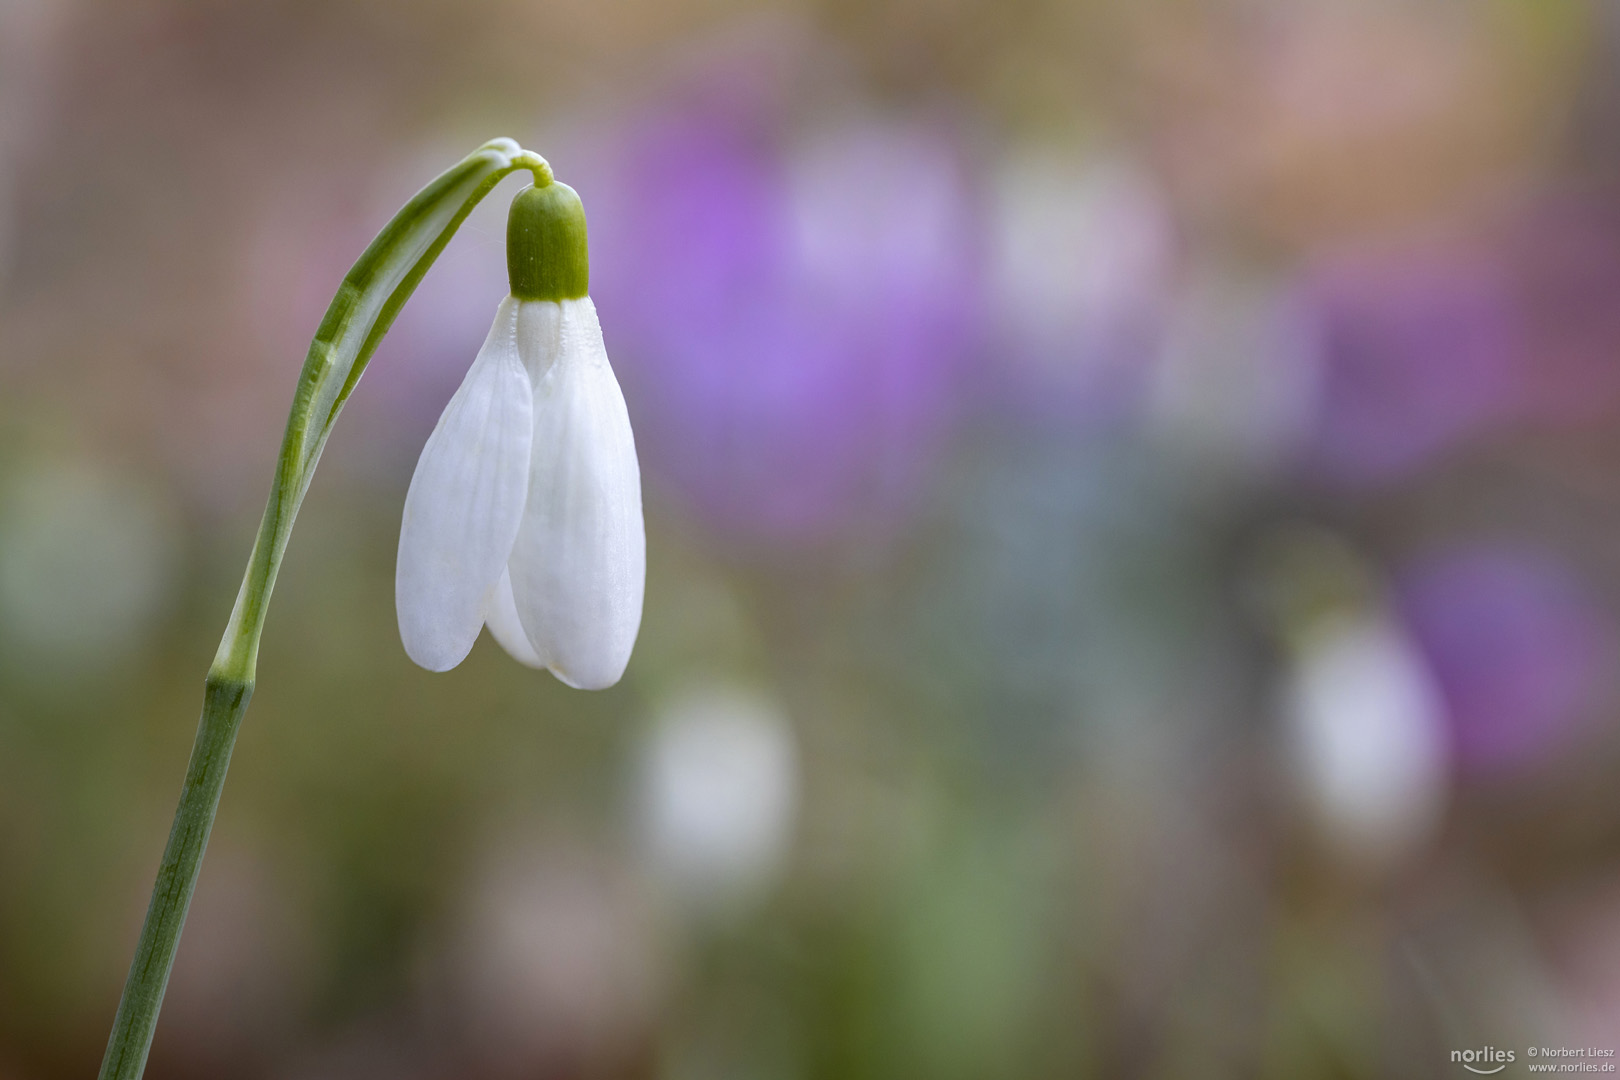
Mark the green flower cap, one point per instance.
(546, 255)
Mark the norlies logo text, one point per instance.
(1484, 1061)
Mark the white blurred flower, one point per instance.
(1369, 736)
(718, 790)
(1363, 717)
(525, 510)
(1082, 254)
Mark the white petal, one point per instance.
(465, 503)
(580, 562)
(501, 615)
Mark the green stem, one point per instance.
(365, 306)
(223, 705)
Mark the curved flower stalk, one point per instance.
(371, 295)
(366, 303)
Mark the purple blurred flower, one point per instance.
(1564, 255)
(793, 319)
(1417, 354)
(1424, 349)
(1518, 646)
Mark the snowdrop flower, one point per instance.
(1365, 721)
(718, 792)
(1368, 737)
(525, 510)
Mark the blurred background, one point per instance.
(1133, 497)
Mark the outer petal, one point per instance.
(580, 562)
(465, 503)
